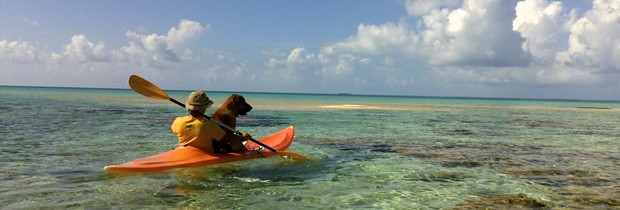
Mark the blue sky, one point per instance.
(464, 48)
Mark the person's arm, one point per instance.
(246, 137)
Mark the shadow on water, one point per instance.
(183, 187)
(219, 186)
(232, 176)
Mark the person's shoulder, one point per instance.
(184, 118)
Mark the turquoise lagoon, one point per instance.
(369, 152)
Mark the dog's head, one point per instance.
(238, 104)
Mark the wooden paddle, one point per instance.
(148, 89)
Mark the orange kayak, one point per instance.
(182, 157)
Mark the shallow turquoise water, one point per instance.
(372, 152)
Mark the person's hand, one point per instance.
(246, 137)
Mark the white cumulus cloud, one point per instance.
(292, 68)
(81, 50)
(594, 40)
(156, 50)
(187, 30)
(478, 33)
(568, 49)
(495, 41)
(376, 39)
(18, 51)
(541, 23)
(147, 50)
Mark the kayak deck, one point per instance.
(182, 157)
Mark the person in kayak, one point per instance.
(194, 129)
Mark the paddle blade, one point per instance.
(146, 88)
(292, 156)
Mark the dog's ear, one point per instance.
(238, 98)
(230, 102)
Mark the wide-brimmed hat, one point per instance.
(198, 101)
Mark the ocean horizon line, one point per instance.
(342, 94)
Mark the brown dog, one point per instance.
(227, 114)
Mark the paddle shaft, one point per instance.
(236, 132)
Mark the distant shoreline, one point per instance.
(340, 94)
